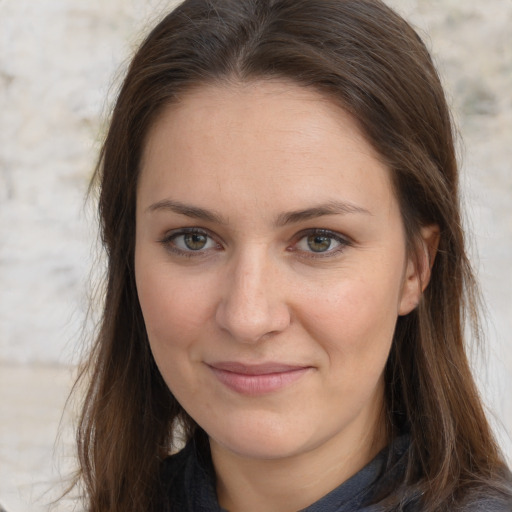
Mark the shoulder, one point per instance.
(188, 480)
(174, 479)
(174, 464)
(489, 500)
(494, 495)
(481, 501)
(489, 505)
(192, 461)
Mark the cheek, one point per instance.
(175, 313)
(355, 322)
(175, 309)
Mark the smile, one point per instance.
(257, 379)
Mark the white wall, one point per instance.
(58, 59)
(472, 44)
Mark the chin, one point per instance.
(260, 439)
(263, 447)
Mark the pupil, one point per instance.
(195, 241)
(318, 243)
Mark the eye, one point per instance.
(187, 242)
(191, 241)
(318, 243)
(321, 242)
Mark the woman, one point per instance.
(287, 281)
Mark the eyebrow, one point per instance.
(284, 219)
(188, 210)
(330, 208)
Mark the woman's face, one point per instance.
(271, 267)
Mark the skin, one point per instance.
(237, 162)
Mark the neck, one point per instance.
(294, 482)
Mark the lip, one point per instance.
(257, 379)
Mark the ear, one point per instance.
(419, 268)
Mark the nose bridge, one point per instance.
(252, 304)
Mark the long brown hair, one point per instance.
(365, 57)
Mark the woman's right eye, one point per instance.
(189, 242)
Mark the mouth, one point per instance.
(257, 379)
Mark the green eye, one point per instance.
(319, 243)
(190, 243)
(195, 241)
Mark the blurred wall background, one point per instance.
(60, 63)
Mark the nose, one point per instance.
(253, 306)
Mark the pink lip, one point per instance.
(257, 379)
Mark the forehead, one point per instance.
(259, 142)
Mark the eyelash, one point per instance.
(344, 242)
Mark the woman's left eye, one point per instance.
(321, 242)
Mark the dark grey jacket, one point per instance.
(189, 483)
